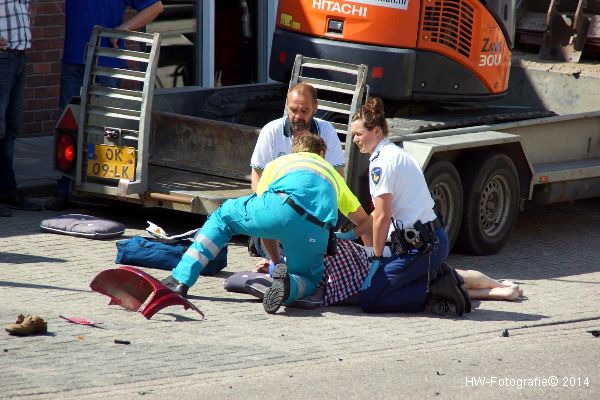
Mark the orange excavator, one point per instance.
(415, 49)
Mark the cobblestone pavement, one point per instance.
(238, 351)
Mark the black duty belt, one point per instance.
(14, 51)
(301, 211)
(421, 236)
(436, 223)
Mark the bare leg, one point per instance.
(497, 293)
(478, 280)
(481, 286)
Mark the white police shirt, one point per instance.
(393, 170)
(274, 141)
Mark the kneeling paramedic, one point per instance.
(296, 203)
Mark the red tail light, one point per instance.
(282, 57)
(377, 72)
(65, 152)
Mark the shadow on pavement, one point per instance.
(495, 315)
(34, 286)
(175, 318)
(224, 299)
(16, 258)
(479, 315)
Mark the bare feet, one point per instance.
(506, 293)
(510, 284)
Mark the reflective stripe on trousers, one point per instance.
(265, 216)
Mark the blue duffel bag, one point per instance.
(151, 253)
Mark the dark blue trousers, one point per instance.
(400, 284)
(12, 95)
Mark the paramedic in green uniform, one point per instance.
(296, 203)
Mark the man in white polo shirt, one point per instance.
(275, 139)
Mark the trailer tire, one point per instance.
(491, 200)
(445, 187)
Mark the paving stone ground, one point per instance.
(238, 351)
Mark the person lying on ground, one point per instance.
(346, 271)
(415, 273)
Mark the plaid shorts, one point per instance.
(344, 272)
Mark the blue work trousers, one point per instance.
(400, 284)
(71, 81)
(266, 216)
(12, 95)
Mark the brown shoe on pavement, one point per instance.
(27, 325)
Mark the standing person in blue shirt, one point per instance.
(80, 18)
(15, 39)
(296, 202)
(403, 215)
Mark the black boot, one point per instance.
(445, 289)
(279, 291)
(15, 200)
(460, 283)
(175, 285)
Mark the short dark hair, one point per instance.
(309, 143)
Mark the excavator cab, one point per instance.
(415, 49)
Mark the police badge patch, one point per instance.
(376, 175)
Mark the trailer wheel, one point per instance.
(491, 200)
(446, 190)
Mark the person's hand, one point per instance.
(3, 43)
(348, 235)
(115, 41)
(375, 264)
(266, 266)
(262, 266)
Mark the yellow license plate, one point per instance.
(111, 162)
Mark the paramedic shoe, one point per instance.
(175, 285)
(279, 291)
(460, 282)
(58, 202)
(17, 201)
(445, 289)
(27, 325)
(5, 212)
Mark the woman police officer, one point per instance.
(403, 211)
